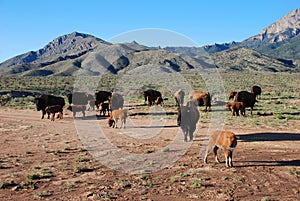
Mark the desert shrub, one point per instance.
(4, 99)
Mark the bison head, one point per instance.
(111, 123)
(40, 103)
(227, 106)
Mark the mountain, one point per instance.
(275, 49)
(81, 53)
(279, 40)
(67, 46)
(283, 29)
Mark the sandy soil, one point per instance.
(62, 160)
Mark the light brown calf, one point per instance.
(115, 115)
(225, 140)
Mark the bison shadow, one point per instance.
(256, 137)
(168, 126)
(152, 113)
(259, 137)
(292, 163)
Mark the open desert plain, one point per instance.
(63, 159)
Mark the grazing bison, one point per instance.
(247, 98)
(153, 97)
(77, 108)
(256, 90)
(232, 95)
(187, 119)
(236, 107)
(45, 100)
(202, 98)
(179, 97)
(225, 140)
(115, 116)
(104, 107)
(116, 101)
(55, 109)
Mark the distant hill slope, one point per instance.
(243, 59)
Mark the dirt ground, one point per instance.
(45, 160)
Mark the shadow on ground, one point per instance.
(268, 136)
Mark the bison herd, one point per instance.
(111, 104)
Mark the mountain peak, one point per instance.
(74, 44)
(286, 27)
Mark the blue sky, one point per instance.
(28, 25)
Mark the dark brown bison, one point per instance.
(153, 97)
(236, 107)
(179, 97)
(116, 101)
(45, 100)
(77, 108)
(202, 98)
(101, 97)
(247, 98)
(256, 90)
(232, 95)
(187, 119)
(54, 109)
(78, 98)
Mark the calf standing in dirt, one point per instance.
(54, 109)
(225, 140)
(115, 115)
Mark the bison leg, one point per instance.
(191, 135)
(208, 150)
(185, 135)
(124, 123)
(48, 115)
(216, 154)
(243, 111)
(230, 159)
(178, 120)
(228, 155)
(116, 123)
(52, 116)
(43, 114)
(233, 112)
